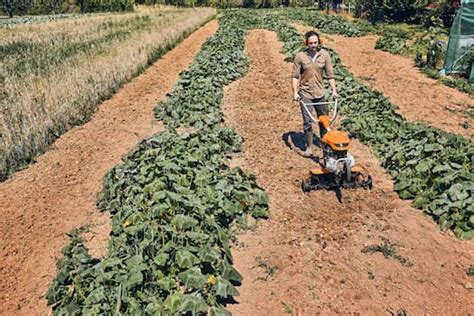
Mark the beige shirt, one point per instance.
(310, 73)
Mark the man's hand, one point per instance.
(334, 94)
(296, 97)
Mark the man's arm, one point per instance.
(332, 83)
(330, 73)
(295, 84)
(295, 77)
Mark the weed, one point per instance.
(470, 270)
(387, 248)
(288, 308)
(399, 312)
(269, 270)
(370, 275)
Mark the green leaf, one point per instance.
(432, 148)
(260, 212)
(134, 280)
(193, 278)
(224, 288)
(166, 283)
(457, 193)
(402, 185)
(219, 311)
(464, 235)
(420, 201)
(440, 210)
(221, 289)
(194, 304)
(229, 272)
(260, 197)
(185, 259)
(440, 168)
(423, 166)
(184, 222)
(208, 255)
(161, 259)
(173, 302)
(405, 194)
(455, 165)
(444, 223)
(96, 296)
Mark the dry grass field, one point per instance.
(53, 74)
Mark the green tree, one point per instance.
(387, 10)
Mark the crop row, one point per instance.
(175, 205)
(433, 167)
(331, 24)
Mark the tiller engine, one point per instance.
(337, 167)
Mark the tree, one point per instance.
(387, 10)
(7, 7)
(16, 7)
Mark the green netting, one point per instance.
(471, 76)
(460, 52)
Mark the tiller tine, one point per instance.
(330, 181)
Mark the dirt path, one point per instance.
(420, 98)
(307, 258)
(56, 194)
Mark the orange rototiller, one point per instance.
(337, 168)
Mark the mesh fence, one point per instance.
(460, 52)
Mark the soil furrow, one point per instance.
(56, 194)
(307, 259)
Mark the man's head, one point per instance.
(312, 40)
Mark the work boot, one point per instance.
(309, 144)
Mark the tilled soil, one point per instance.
(420, 98)
(42, 203)
(307, 259)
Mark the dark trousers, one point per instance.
(319, 109)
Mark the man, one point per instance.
(308, 83)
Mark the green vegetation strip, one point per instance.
(331, 24)
(393, 40)
(175, 205)
(431, 166)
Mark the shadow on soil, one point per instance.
(296, 141)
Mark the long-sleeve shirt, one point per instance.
(310, 73)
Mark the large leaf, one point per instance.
(193, 278)
(224, 288)
(185, 259)
(193, 304)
